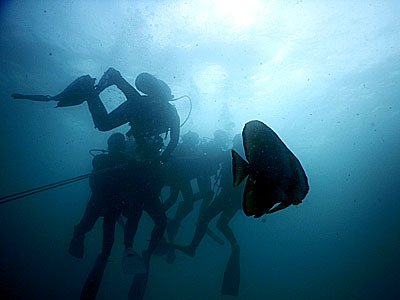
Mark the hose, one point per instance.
(190, 108)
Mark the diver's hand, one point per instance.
(110, 77)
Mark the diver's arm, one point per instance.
(104, 121)
(111, 77)
(174, 136)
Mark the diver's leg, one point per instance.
(201, 229)
(204, 184)
(106, 121)
(183, 210)
(111, 77)
(92, 284)
(173, 197)
(110, 219)
(212, 211)
(132, 263)
(90, 216)
(223, 224)
(122, 114)
(131, 226)
(154, 208)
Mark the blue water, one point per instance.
(325, 75)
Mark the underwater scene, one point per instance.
(205, 149)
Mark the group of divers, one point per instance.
(128, 177)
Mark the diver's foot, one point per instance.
(109, 77)
(188, 250)
(132, 263)
(171, 256)
(77, 244)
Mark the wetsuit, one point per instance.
(145, 181)
(227, 203)
(147, 115)
(108, 192)
(188, 163)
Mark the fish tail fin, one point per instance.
(239, 168)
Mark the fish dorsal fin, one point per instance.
(239, 168)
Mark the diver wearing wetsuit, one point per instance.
(227, 203)
(193, 161)
(149, 115)
(108, 190)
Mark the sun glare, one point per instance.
(239, 13)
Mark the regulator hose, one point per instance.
(190, 107)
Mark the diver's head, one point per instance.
(221, 138)
(190, 138)
(237, 142)
(150, 85)
(116, 142)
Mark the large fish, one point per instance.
(275, 174)
(74, 94)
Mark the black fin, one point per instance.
(138, 287)
(231, 281)
(92, 284)
(139, 284)
(41, 98)
(239, 168)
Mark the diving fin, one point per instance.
(139, 283)
(92, 284)
(231, 281)
(239, 168)
(41, 98)
(76, 93)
